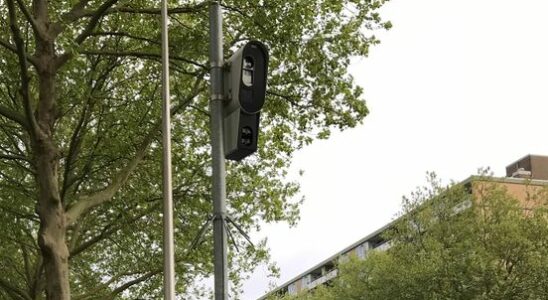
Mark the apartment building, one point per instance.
(522, 176)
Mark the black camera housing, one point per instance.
(245, 88)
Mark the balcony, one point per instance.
(328, 276)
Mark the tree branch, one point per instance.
(108, 230)
(75, 12)
(78, 11)
(94, 21)
(21, 53)
(69, 17)
(8, 46)
(138, 280)
(26, 262)
(73, 151)
(73, 15)
(40, 11)
(19, 214)
(175, 66)
(38, 282)
(13, 49)
(87, 168)
(13, 157)
(124, 34)
(35, 27)
(151, 11)
(75, 141)
(13, 291)
(87, 202)
(244, 15)
(144, 277)
(291, 98)
(14, 116)
(138, 54)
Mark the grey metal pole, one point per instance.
(169, 253)
(217, 152)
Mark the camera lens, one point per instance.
(248, 63)
(247, 77)
(246, 136)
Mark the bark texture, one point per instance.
(52, 232)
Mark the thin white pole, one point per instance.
(169, 253)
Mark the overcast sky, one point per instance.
(455, 85)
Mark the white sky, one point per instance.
(455, 85)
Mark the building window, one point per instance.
(384, 246)
(292, 289)
(306, 281)
(462, 207)
(361, 251)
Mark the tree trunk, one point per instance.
(51, 236)
(50, 208)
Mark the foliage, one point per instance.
(80, 147)
(494, 250)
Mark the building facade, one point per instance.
(522, 178)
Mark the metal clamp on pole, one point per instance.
(217, 97)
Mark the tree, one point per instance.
(79, 143)
(496, 249)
